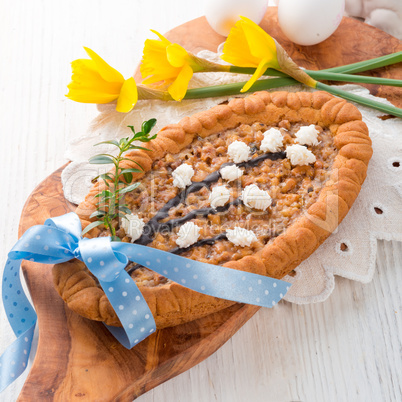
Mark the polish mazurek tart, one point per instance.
(256, 185)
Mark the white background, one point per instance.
(345, 349)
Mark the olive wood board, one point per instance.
(79, 359)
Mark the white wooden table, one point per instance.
(345, 349)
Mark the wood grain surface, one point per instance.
(78, 359)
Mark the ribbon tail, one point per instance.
(22, 319)
(122, 292)
(131, 308)
(14, 360)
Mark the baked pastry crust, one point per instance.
(173, 304)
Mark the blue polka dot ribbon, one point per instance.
(59, 240)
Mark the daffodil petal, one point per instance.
(176, 55)
(107, 72)
(260, 70)
(128, 96)
(84, 77)
(155, 66)
(89, 96)
(261, 44)
(179, 87)
(236, 49)
(165, 41)
(86, 65)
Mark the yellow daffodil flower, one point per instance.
(248, 45)
(95, 81)
(170, 64)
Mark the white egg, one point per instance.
(308, 22)
(223, 14)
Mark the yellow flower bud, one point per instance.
(95, 81)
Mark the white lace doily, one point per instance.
(349, 252)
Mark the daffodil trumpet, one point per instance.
(248, 45)
(169, 65)
(95, 81)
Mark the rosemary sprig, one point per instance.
(109, 206)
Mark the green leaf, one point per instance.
(101, 159)
(138, 147)
(129, 188)
(106, 177)
(145, 139)
(147, 126)
(128, 159)
(106, 193)
(131, 170)
(111, 142)
(102, 203)
(98, 213)
(123, 143)
(91, 226)
(128, 177)
(132, 129)
(138, 135)
(125, 210)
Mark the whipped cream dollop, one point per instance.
(231, 172)
(239, 151)
(188, 234)
(307, 135)
(182, 175)
(240, 236)
(273, 140)
(299, 155)
(133, 226)
(254, 197)
(219, 196)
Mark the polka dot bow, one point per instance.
(59, 240)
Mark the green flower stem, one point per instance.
(234, 89)
(367, 64)
(392, 110)
(251, 70)
(326, 75)
(347, 68)
(330, 76)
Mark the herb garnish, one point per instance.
(109, 205)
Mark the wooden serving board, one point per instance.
(78, 358)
